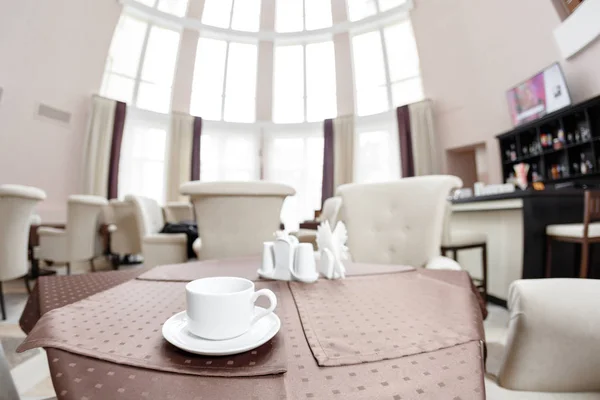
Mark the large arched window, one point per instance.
(263, 80)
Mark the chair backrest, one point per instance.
(591, 209)
(235, 218)
(149, 215)
(126, 239)
(397, 222)
(553, 336)
(330, 210)
(83, 223)
(16, 206)
(178, 211)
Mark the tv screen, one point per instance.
(542, 94)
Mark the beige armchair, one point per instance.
(16, 207)
(329, 212)
(553, 347)
(124, 233)
(178, 211)
(79, 241)
(157, 248)
(399, 222)
(235, 218)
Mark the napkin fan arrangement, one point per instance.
(285, 258)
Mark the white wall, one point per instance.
(51, 52)
(472, 52)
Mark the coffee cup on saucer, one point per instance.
(222, 308)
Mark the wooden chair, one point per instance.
(585, 234)
(465, 240)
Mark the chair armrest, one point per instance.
(166, 238)
(554, 336)
(112, 228)
(197, 246)
(441, 262)
(46, 231)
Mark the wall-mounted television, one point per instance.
(541, 94)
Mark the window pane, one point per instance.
(149, 3)
(289, 16)
(374, 157)
(318, 14)
(154, 97)
(288, 93)
(320, 81)
(241, 70)
(246, 15)
(406, 92)
(126, 46)
(385, 5)
(161, 56)
(403, 59)
(209, 75)
(217, 13)
(240, 109)
(359, 9)
(369, 68)
(118, 88)
(229, 156)
(372, 101)
(175, 7)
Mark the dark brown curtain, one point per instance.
(406, 153)
(327, 185)
(196, 149)
(115, 150)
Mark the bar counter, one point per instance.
(515, 225)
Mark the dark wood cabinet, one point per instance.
(561, 146)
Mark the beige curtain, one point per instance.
(343, 150)
(98, 141)
(424, 147)
(179, 159)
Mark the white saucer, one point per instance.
(175, 332)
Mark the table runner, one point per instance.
(451, 373)
(246, 267)
(124, 325)
(384, 317)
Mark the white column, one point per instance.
(195, 9)
(343, 61)
(184, 73)
(264, 80)
(344, 74)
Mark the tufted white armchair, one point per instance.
(157, 248)
(16, 207)
(79, 240)
(124, 234)
(399, 222)
(329, 212)
(553, 346)
(178, 211)
(235, 218)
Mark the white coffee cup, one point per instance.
(222, 308)
(304, 261)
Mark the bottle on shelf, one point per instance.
(575, 168)
(513, 152)
(584, 165)
(535, 176)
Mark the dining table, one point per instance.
(383, 332)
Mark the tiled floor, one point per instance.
(33, 380)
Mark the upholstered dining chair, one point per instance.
(553, 346)
(398, 222)
(124, 234)
(584, 234)
(235, 218)
(79, 240)
(329, 212)
(16, 207)
(178, 211)
(157, 248)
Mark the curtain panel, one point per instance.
(180, 154)
(327, 188)
(343, 150)
(418, 150)
(102, 148)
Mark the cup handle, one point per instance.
(272, 298)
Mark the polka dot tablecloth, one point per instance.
(453, 373)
